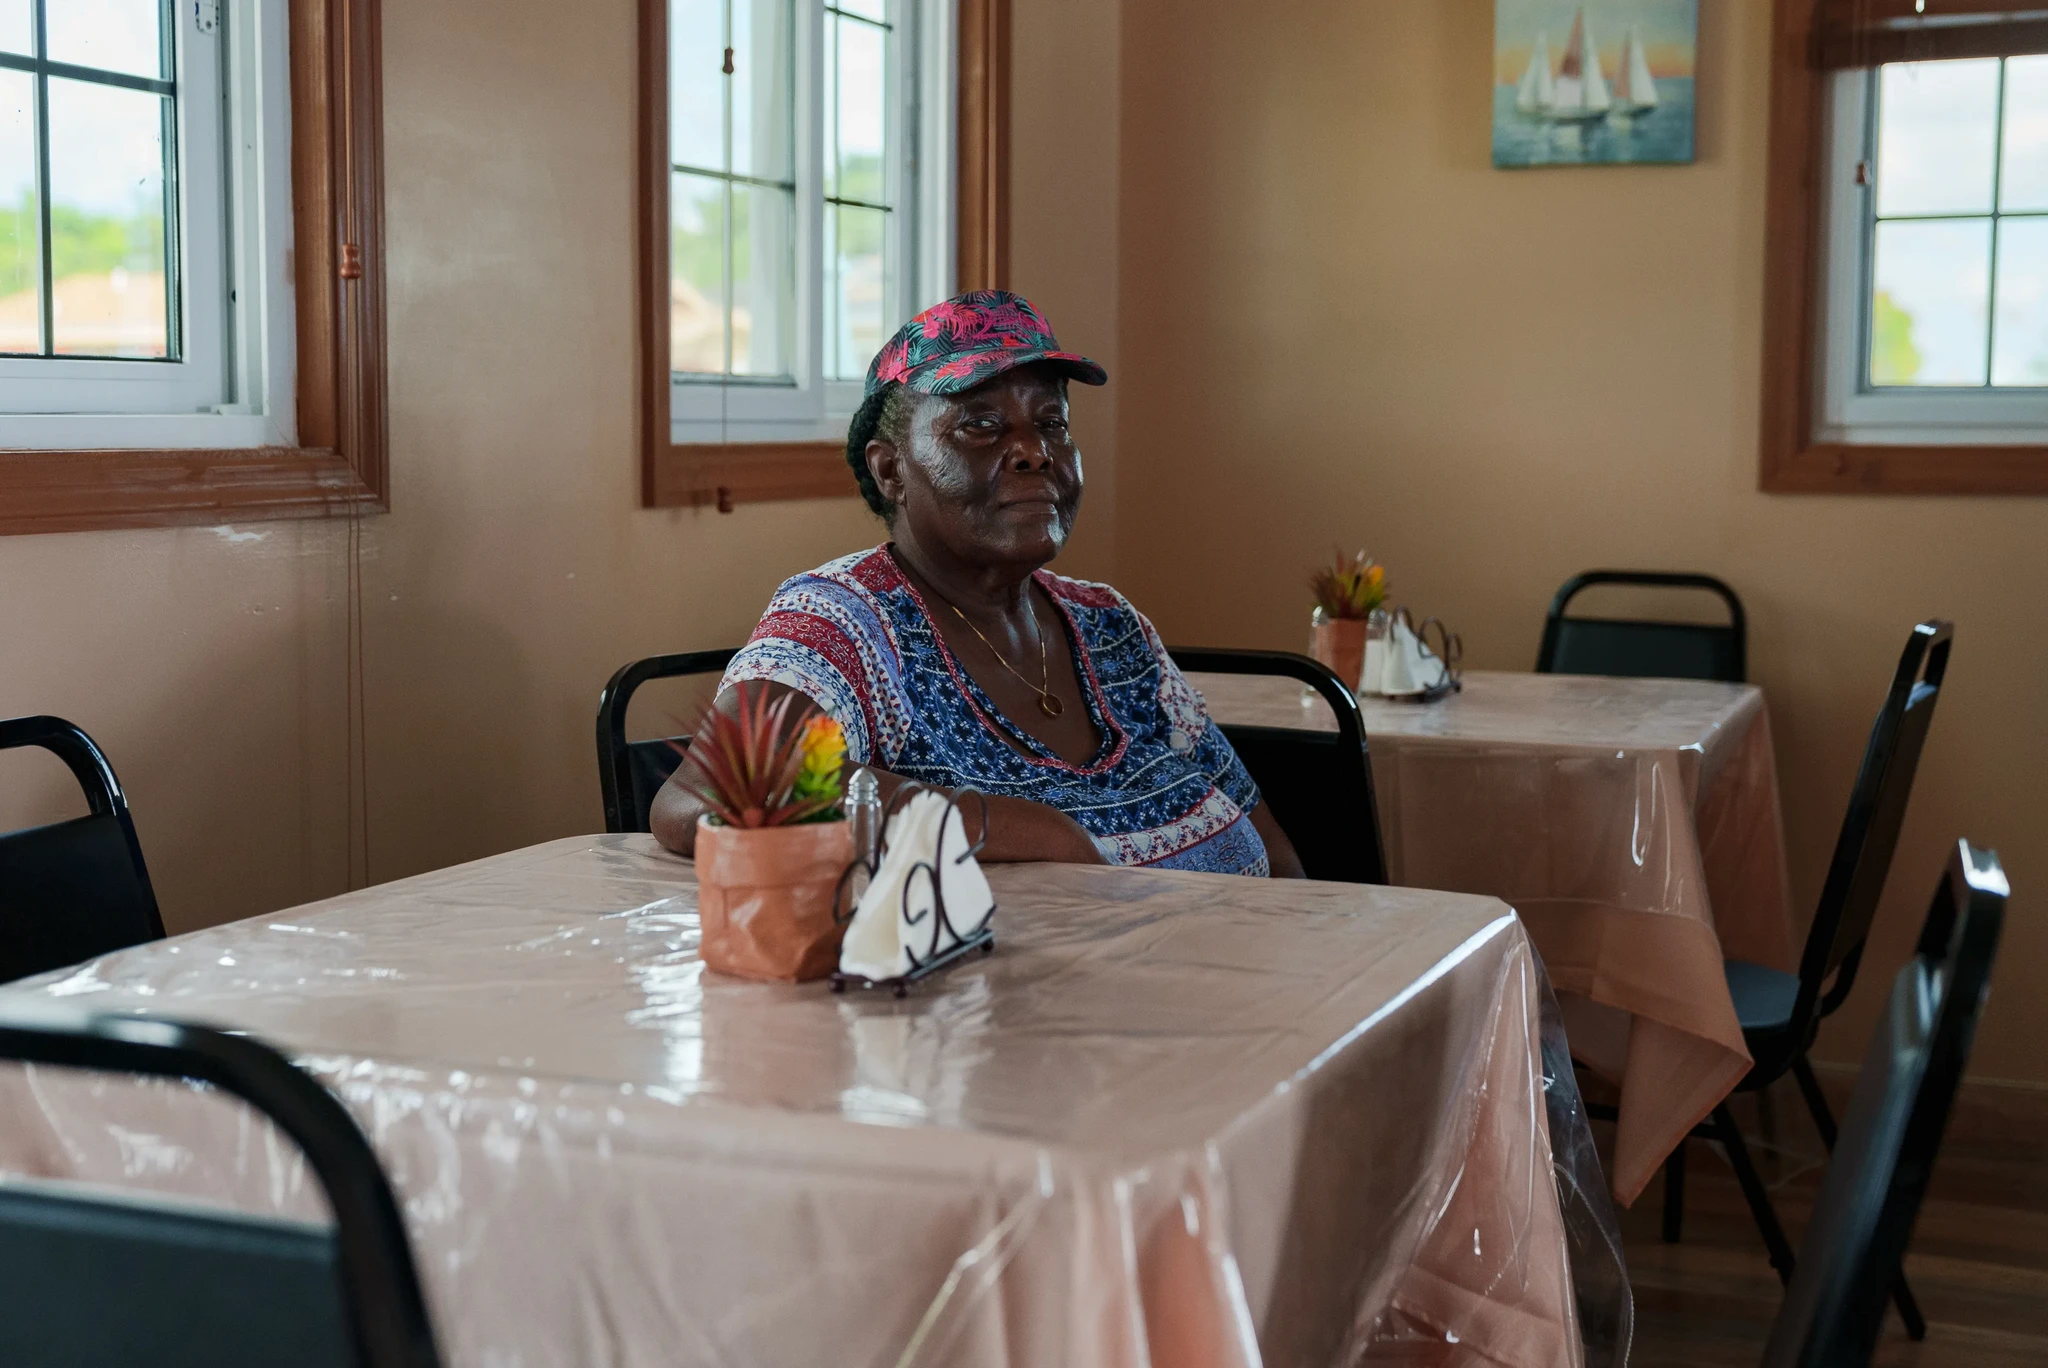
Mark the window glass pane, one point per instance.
(763, 107)
(113, 35)
(1929, 311)
(1937, 128)
(855, 275)
(107, 220)
(17, 29)
(829, 102)
(877, 10)
(2020, 356)
(860, 111)
(2024, 184)
(696, 83)
(21, 275)
(764, 280)
(696, 287)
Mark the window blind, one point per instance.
(1867, 33)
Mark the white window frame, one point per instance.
(706, 409)
(235, 383)
(1851, 411)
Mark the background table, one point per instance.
(1176, 1118)
(1633, 823)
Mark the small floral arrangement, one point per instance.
(767, 764)
(1349, 586)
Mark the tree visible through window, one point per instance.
(1957, 228)
(88, 121)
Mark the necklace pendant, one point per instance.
(1050, 706)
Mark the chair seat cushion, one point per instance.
(1763, 997)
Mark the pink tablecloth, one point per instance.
(1175, 1119)
(1633, 823)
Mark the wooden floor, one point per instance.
(1979, 1262)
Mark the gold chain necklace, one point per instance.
(1047, 704)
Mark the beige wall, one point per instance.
(1063, 223)
(515, 571)
(1340, 325)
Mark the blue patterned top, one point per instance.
(1164, 789)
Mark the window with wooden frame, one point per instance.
(1906, 308)
(191, 280)
(812, 173)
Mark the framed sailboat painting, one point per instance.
(1590, 82)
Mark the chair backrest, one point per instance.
(630, 773)
(1879, 1173)
(1870, 828)
(1318, 784)
(74, 889)
(1660, 650)
(97, 1278)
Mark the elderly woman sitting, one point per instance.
(952, 657)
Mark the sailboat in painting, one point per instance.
(1635, 90)
(1580, 91)
(1536, 91)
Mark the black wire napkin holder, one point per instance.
(845, 899)
(1450, 652)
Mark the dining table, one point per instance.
(1633, 824)
(1172, 1118)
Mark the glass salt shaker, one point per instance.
(864, 815)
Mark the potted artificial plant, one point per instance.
(1348, 593)
(773, 841)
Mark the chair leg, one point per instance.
(1816, 1101)
(1824, 1119)
(1674, 1195)
(1775, 1243)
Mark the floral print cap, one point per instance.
(970, 338)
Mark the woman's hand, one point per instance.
(1280, 857)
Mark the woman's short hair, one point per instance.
(885, 414)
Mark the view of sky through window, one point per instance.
(1959, 267)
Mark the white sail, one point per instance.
(1580, 91)
(1635, 90)
(1536, 91)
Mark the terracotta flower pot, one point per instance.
(1340, 644)
(764, 898)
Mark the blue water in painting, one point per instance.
(1663, 135)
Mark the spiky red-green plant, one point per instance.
(748, 766)
(1349, 586)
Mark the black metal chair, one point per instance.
(78, 888)
(1781, 1013)
(1856, 1242)
(100, 1279)
(1661, 650)
(631, 772)
(1318, 784)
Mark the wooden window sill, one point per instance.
(1839, 468)
(82, 491)
(749, 472)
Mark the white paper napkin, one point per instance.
(1400, 664)
(888, 929)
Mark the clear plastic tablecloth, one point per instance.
(1634, 825)
(1174, 1119)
